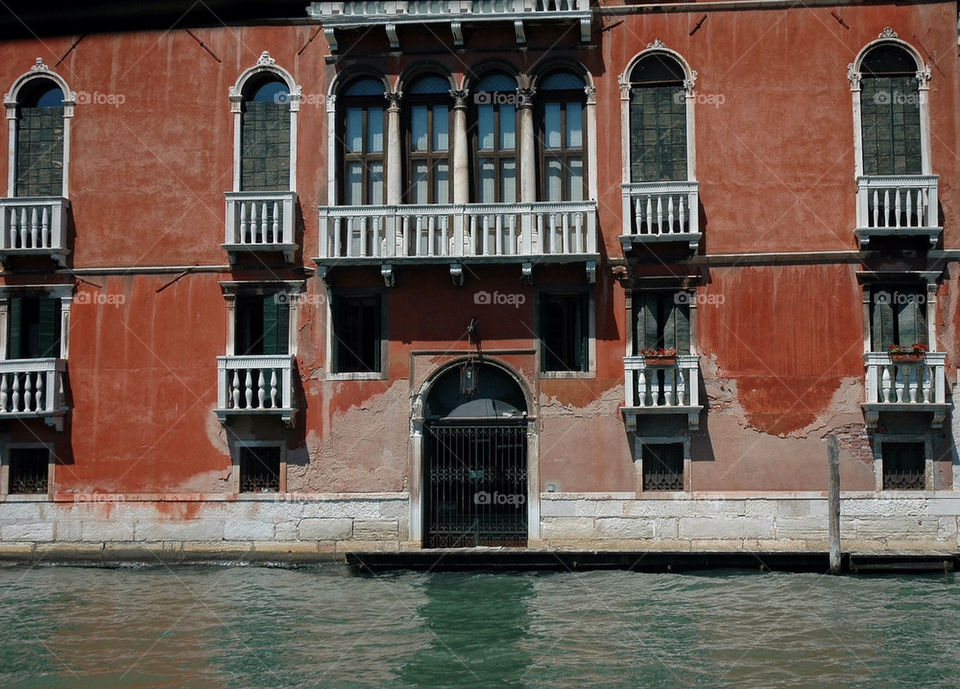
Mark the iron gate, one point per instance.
(475, 481)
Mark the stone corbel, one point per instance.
(330, 35)
(591, 268)
(456, 273)
(518, 30)
(456, 28)
(386, 272)
(526, 269)
(392, 36)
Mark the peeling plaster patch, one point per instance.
(364, 448)
(608, 404)
(215, 433)
(781, 413)
(217, 481)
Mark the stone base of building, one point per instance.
(319, 527)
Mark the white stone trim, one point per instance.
(265, 65)
(854, 75)
(690, 78)
(10, 101)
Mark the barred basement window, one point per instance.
(904, 466)
(563, 332)
(34, 328)
(663, 466)
(262, 324)
(265, 137)
(357, 333)
(260, 469)
(29, 471)
(39, 152)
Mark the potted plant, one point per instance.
(912, 352)
(663, 356)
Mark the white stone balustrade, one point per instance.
(255, 384)
(261, 221)
(32, 387)
(897, 205)
(905, 385)
(34, 225)
(660, 211)
(653, 387)
(522, 230)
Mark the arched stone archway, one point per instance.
(473, 437)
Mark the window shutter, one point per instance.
(676, 329)
(882, 321)
(49, 328)
(15, 339)
(890, 125)
(645, 321)
(265, 146)
(276, 325)
(911, 319)
(39, 163)
(658, 133)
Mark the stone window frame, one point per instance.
(889, 37)
(680, 438)
(62, 292)
(11, 101)
(237, 448)
(690, 78)
(923, 280)
(232, 288)
(5, 447)
(591, 353)
(383, 373)
(266, 65)
(879, 438)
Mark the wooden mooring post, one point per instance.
(833, 478)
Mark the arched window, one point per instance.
(362, 121)
(265, 135)
(890, 112)
(658, 120)
(39, 139)
(427, 132)
(561, 103)
(494, 140)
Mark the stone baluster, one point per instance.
(45, 227)
(650, 229)
(3, 393)
(248, 386)
(276, 223)
(642, 387)
(24, 229)
(668, 384)
(899, 383)
(235, 389)
(886, 383)
(681, 387)
(38, 399)
(273, 388)
(16, 392)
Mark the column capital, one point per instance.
(525, 96)
(393, 100)
(459, 98)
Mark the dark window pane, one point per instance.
(265, 146)
(29, 470)
(890, 125)
(658, 133)
(904, 466)
(661, 320)
(563, 332)
(39, 163)
(356, 334)
(898, 316)
(663, 466)
(259, 469)
(34, 328)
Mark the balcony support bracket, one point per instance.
(585, 29)
(592, 272)
(392, 36)
(518, 30)
(456, 274)
(527, 269)
(323, 272)
(456, 28)
(389, 279)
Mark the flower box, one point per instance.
(906, 356)
(660, 359)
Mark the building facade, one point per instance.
(454, 273)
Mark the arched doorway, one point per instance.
(475, 458)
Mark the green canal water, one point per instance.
(320, 627)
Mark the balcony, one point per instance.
(255, 385)
(33, 388)
(897, 206)
(524, 233)
(905, 386)
(363, 14)
(34, 225)
(660, 212)
(652, 387)
(261, 221)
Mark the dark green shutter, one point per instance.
(49, 328)
(584, 362)
(676, 328)
(890, 125)
(882, 335)
(276, 325)
(645, 321)
(658, 133)
(265, 146)
(910, 308)
(39, 163)
(14, 345)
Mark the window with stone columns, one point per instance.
(493, 126)
(363, 142)
(561, 106)
(427, 141)
(39, 108)
(889, 82)
(265, 101)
